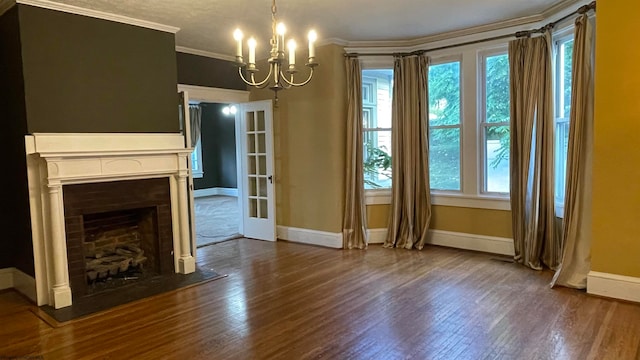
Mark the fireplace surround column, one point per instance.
(186, 262)
(61, 289)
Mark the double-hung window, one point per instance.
(494, 122)
(444, 126)
(563, 63)
(377, 91)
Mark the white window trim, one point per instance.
(199, 172)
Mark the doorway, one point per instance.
(254, 181)
(215, 174)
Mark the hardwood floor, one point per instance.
(290, 301)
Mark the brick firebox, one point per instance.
(113, 211)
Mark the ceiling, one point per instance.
(207, 25)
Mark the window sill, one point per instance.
(198, 174)
(383, 197)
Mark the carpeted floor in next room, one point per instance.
(217, 219)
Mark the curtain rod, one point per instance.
(581, 10)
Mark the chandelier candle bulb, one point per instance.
(280, 30)
(312, 50)
(237, 35)
(292, 52)
(252, 50)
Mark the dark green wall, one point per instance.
(218, 148)
(17, 249)
(89, 75)
(209, 72)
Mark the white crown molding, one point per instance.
(404, 44)
(204, 53)
(45, 4)
(334, 41)
(559, 7)
(5, 5)
(467, 34)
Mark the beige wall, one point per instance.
(310, 131)
(457, 219)
(616, 168)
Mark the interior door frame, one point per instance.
(226, 96)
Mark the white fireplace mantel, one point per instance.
(54, 160)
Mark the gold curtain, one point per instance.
(354, 234)
(531, 153)
(411, 201)
(576, 229)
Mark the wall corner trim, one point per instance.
(458, 240)
(77, 10)
(311, 237)
(16, 279)
(613, 286)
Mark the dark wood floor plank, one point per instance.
(290, 301)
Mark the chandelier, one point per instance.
(279, 77)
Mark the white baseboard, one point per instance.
(6, 278)
(490, 244)
(215, 191)
(14, 278)
(311, 237)
(613, 286)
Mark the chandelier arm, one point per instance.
(292, 83)
(261, 85)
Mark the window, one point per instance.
(494, 123)
(444, 126)
(377, 92)
(563, 63)
(196, 160)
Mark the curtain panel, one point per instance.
(531, 153)
(354, 233)
(195, 119)
(410, 200)
(576, 229)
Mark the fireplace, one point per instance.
(117, 233)
(101, 200)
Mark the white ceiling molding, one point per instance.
(204, 53)
(469, 34)
(334, 41)
(404, 44)
(6, 5)
(45, 4)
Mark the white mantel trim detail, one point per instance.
(71, 9)
(54, 160)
